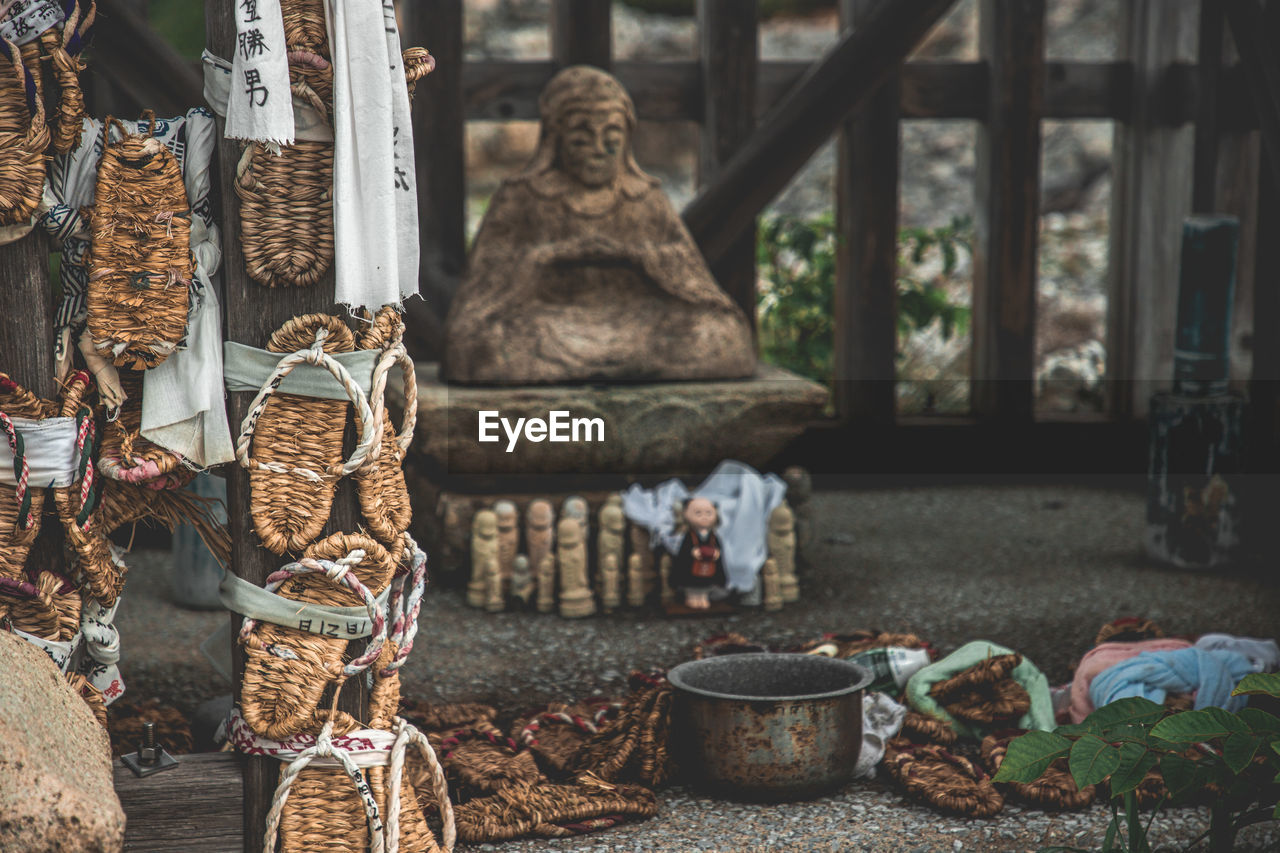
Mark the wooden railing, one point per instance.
(1186, 113)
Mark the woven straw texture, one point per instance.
(289, 511)
(985, 693)
(92, 697)
(279, 697)
(1053, 790)
(634, 745)
(173, 731)
(126, 455)
(49, 610)
(555, 733)
(918, 728)
(381, 490)
(15, 540)
(948, 782)
(23, 137)
(68, 124)
(140, 258)
(551, 811)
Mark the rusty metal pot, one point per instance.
(769, 726)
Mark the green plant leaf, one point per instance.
(1092, 759)
(1030, 755)
(1259, 684)
(1135, 761)
(1181, 774)
(1134, 711)
(1077, 729)
(1197, 726)
(1259, 721)
(1238, 750)
(1109, 840)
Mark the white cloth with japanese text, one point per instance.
(260, 108)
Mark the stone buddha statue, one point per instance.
(583, 271)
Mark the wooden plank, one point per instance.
(252, 313)
(26, 314)
(729, 55)
(193, 808)
(865, 333)
(1150, 196)
(141, 63)
(838, 84)
(671, 91)
(439, 133)
(582, 33)
(1011, 38)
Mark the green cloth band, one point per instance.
(1026, 673)
(247, 368)
(344, 623)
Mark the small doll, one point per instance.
(698, 566)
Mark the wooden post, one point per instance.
(252, 313)
(439, 137)
(833, 88)
(1011, 36)
(729, 60)
(867, 249)
(582, 33)
(1150, 196)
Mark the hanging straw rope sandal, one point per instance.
(140, 260)
(21, 506)
(380, 487)
(296, 441)
(24, 136)
(129, 457)
(62, 49)
(287, 670)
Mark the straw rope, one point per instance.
(69, 123)
(984, 693)
(298, 447)
(20, 507)
(921, 729)
(23, 133)
(140, 259)
(418, 63)
(91, 695)
(1055, 789)
(173, 731)
(129, 457)
(948, 782)
(436, 718)
(286, 670)
(634, 745)
(49, 608)
(551, 811)
(403, 608)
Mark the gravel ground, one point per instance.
(1036, 568)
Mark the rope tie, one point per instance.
(339, 572)
(366, 450)
(21, 472)
(86, 444)
(407, 734)
(404, 608)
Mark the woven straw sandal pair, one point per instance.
(296, 441)
(286, 195)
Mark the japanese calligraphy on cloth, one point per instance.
(260, 107)
(27, 19)
(375, 196)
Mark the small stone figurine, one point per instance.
(522, 585)
(772, 585)
(547, 584)
(635, 581)
(508, 540)
(698, 567)
(645, 572)
(609, 545)
(484, 551)
(539, 520)
(576, 599)
(782, 549)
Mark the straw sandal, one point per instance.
(129, 457)
(556, 732)
(48, 608)
(480, 759)
(297, 441)
(634, 746)
(286, 198)
(984, 693)
(23, 133)
(140, 260)
(948, 782)
(918, 728)
(552, 811)
(286, 670)
(21, 506)
(1055, 789)
(380, 488)
(437, 718)
(62, 49)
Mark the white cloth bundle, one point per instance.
(260, 105)
(375, 196)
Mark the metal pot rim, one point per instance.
(861, 675)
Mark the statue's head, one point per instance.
(701, 514)
(587, 123)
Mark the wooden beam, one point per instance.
(439, 134)
(500, 90)
(252, 313)
(26, 314)
(193, 808)
(1011, 38)
(865, 323)
(833, 89)
(141, 63)
(729, 57)
(582, 33)
(1150, 196)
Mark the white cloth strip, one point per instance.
(28, 19)
(346, 623)
(247, 368)
(259, 106)
(375, 196)
(309, 124)
(59, 650)
(50, 450)
(367, 747)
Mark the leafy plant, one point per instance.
(1125, 740)
(797, 259)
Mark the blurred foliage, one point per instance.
(181, 22)
(768, 8)
(796, 302)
